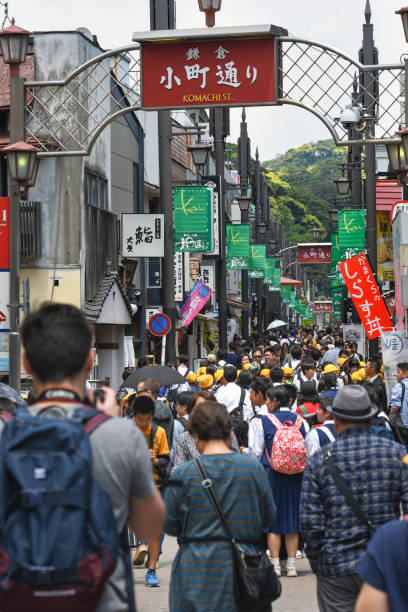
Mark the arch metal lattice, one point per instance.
(65, 117)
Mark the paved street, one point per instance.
(297, 593)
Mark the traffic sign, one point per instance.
(159, 324)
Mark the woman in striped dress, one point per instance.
(202, 573)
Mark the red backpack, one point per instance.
(288, 449)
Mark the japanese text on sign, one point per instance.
(142, 235)
(314, 253)
(209, 72)
(323, 307)
(366, 295)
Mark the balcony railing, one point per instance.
(101, 247)
(30, 230)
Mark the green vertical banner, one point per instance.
(192, 218)
(257, 257)
(352, 228)
(237, 246)
(270, 264)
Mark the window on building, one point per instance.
(96, 190)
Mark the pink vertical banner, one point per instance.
(198, 297)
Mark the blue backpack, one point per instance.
(58, 534)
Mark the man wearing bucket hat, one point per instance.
(336, 533)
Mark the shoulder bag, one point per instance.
(255, 580)
(345, 490)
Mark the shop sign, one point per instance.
(323, 307)
(142, 235)
(352, 228)
(238, 247)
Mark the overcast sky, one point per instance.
(275, 129)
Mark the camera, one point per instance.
(351, 116)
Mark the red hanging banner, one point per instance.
(366, 296)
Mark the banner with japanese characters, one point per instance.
(142, 235)
(314, 253)
(352, 228)
(197, 298)
(192, 219)
(366, 296)
(206, 73)
(394, 347)
(237, 246)
(257, 257)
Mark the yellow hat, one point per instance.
(201, 371)
(206, 381)
(265, 372)
(358, 376)
(288, 371)
(246, 366)
(218, 374)
(362, 364)
(192, 378)
(341, 361)
(330, 367)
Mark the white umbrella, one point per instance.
(276, 323)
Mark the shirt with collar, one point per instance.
(230, 394)
(335, 538)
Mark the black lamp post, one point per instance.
(209, 7)
(199, 153)
(343, 184)
(244, 203)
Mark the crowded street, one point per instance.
(203, 306)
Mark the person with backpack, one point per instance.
(279, 445)
(142, 407)
(163, 415)
(399, 405)
(306, 372)
(324, 433)
(349, 489)
(237, 402)
(68, 503)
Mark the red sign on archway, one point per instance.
(209, 73)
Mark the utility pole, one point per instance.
(244, 157)
(369, 55)
(218, 123)
(258, 217)
(162, 17)
(17, 129)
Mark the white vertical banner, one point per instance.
(208, 276)
(395, 351)
(178, 277)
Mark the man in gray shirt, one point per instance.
(59, 356)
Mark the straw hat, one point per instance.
(206, 381)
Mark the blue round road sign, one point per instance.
(159, 324)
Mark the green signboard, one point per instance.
(192, 219)
(237, 246)
(257, 260)
(352, 228)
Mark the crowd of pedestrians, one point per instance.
(298, 442)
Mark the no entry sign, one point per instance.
(159, 324)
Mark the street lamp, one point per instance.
(22, 162)
(316, 232)
(262, 227)
(404, 16)
(13, 42)
(333, 215)
(343, 184)
(396, 152)
(199, 153)
(244, 203)
(209, 7)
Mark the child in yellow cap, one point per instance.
(287, 375)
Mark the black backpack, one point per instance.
(239, 426)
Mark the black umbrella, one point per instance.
(164, 375)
